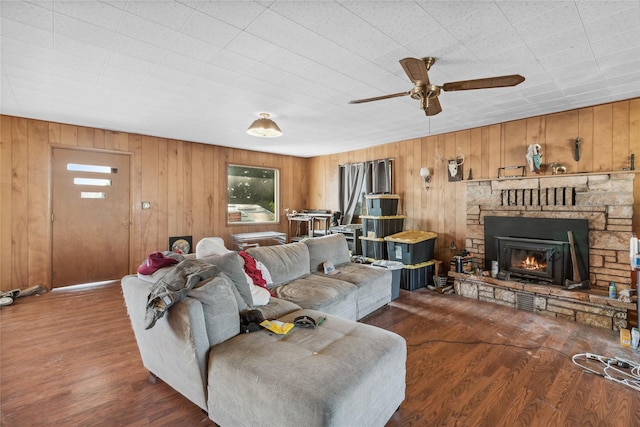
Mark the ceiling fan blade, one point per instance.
(378, 98)
(490, 82)
(432, 106)
(416, 70)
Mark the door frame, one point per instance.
(52, 148)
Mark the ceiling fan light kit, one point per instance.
(264, 127)
(427, 93)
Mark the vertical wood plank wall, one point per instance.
(610, 134)
(184, 181)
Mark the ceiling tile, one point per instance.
(95, 13)
(166, 13)
(203, 70)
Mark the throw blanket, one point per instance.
(174, 285)
(253, 271)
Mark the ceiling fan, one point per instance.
(427, 93)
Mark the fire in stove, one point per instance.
(533, 259)
(531, 263)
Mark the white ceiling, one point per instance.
(203, 70)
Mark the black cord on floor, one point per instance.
(521, 347)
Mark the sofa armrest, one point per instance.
(175, 349)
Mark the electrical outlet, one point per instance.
(146, 205)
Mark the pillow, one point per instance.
(231, 265)
(219, 306)
(260, 295)
(211, 246)
(265, 273)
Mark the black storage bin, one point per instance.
(411, 247)
(417, 276)
(381, 226)
(373, 248)
(382, 204)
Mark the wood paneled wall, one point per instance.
(610, 134)
(184, 181)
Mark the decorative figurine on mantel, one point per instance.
(534, 157)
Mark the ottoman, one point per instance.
(341, 373)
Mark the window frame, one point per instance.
(276, 196)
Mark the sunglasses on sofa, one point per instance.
(304, 322)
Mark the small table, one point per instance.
(309, 219)
(241, 241)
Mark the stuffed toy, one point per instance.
(250, 321)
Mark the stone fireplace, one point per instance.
(597, 208)
(605, 201)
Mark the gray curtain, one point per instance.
(378, 176)
(374, 175)
(351, 179)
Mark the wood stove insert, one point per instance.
(538, 260)
(544, 241)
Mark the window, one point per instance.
(252, 194)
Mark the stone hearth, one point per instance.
(589, 307)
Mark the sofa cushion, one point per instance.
(333, 248)
(284, 262)
(342, 373)
(277, 308)
(231, 264)
(220, 308)
(373, 283)
(321, 293)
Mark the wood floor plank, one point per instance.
(69, 358)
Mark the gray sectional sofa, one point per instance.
(341, 373)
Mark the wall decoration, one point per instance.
(534, 157)
(180, 244)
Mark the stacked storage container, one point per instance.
(380, 222)
(414, 249)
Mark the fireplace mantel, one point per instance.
(563, 175)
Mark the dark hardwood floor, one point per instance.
(69, 358)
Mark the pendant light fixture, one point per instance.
(264, 127)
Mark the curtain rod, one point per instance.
(362, 163)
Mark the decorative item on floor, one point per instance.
(426, 175)
(180, 244)
(264, 127)
(534, 157)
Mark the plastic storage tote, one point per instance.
(417, 276)
(381, 226)
(382, 204)
(373, 248)
(411, 247)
